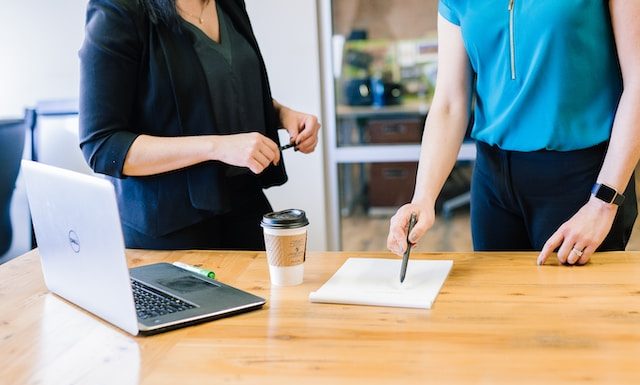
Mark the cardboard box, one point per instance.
(391, 184)
(395, 130)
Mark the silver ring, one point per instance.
(578, 252)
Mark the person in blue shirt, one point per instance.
(554, 87)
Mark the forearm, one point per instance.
(150, 155)
(444, 132)
(624, 147)
(280, 108)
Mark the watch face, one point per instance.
(605, 193)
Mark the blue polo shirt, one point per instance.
(547, 72)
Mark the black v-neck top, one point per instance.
(232, 69)
(143, 77)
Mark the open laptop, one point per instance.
(77, 226)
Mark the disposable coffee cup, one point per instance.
(285, 238)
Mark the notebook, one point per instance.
(376, 282)
(77, 227)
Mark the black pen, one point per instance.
(287, 146)
(405, 257)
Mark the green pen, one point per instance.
(195, 269)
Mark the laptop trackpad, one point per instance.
(186, 284)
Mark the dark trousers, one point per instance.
(519, 199)
(238, 229)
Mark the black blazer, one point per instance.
(140, 77)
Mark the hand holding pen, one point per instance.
(302, 127)
(399, 238)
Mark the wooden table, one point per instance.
(499, 319)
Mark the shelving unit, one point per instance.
(351, 157)
(343, 111)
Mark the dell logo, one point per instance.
(74, 241)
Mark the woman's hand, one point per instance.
(397, 239)
(303, 128)
(580, 236)
(252, 150)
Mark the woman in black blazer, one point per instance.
(175, 107)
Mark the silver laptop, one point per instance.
(77, 227)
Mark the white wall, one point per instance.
(40, 41)
(287, 31)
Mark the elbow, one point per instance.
(105, 154)
(104, 143)
(451, 112)
(89, 146)
(89, 156)
(631, 89)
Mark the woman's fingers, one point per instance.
(399, 225)
(258, 162)
(552, 243)
(586, 255)
(269, 149)
(307, 138)
(252, 150)
(423, 224)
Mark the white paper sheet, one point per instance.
(376, 282)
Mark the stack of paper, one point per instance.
(372, 281)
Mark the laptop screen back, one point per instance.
(77, 227)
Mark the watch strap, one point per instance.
(607, 194)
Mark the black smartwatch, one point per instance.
(607, 194)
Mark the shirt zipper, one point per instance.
(512, 43)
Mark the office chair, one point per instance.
(55, 135)
(12, 136)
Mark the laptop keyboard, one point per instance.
(154, 303)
